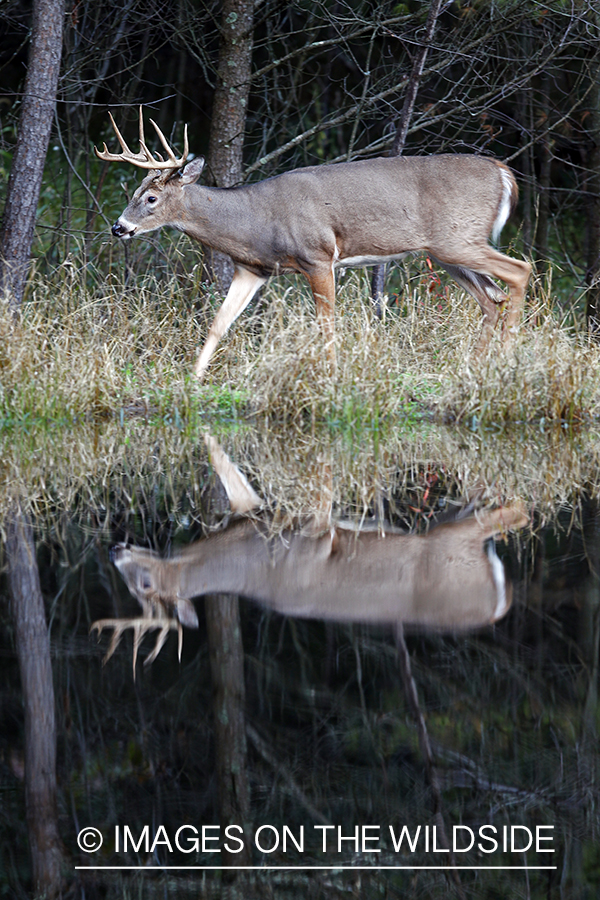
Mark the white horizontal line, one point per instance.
(293, 868)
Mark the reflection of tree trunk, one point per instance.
(410, 691)
(230, 105)
(227, 672)
(33, 651)
(37, 113)
(589, 627)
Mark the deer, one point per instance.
(450, 579)
(318, 219)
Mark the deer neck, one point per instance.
(235, 562)
(220, 218)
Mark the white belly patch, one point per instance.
(366, 260)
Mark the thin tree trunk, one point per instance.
(24, 184)
(230, 105)
(592, 275)
(378, 277)
(525, 118)
(542, 250)
(229, 698)
(33, 652)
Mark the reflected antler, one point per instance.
(140, 626)
(144, 159)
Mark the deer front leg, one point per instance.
(243, 288)
(322, 285)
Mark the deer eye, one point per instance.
(145, 581)
(151, 199)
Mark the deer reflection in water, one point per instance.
(448, 579)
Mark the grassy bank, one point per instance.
(80, 353)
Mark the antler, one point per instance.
(144, 158)
(140, 626)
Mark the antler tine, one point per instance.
(186, 146)
(139, 630)
(177, 163)
(142, 139)
(140, 627)
(138, 159)
(120, 137)
(141, 128)
(144, 159)
(119, 626)
(179, 640)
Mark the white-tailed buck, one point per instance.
(320, 218)
(447, 579)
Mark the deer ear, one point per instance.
(192, 171)
(186, 613)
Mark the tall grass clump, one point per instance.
(418, 364)
(78, 352)
(384, 368)
(549, 375)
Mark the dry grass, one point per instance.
(80, 353)
(94, 468)
(419, 361)
(95, 385)
(76, 354)
(549, 471)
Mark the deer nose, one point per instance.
(120, 230)
(115, 553)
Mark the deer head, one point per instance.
(146, 212)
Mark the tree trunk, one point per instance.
(542, 250)
(525, 119)
(229, 697)
(24, 184)
(33, 652)
(230, 105)
(592, 275)
(378, 278)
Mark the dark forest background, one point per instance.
(322, 82)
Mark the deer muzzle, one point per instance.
(122, 231)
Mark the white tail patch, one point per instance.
(499, 577)
(505, 207)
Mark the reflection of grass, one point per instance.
(79, 353)
(90, 465)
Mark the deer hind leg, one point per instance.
(475, 279)
(511, 517)
(243, 288)
(515, 273)
(322, 285)
(488, 295)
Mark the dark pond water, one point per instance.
(402, 703)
